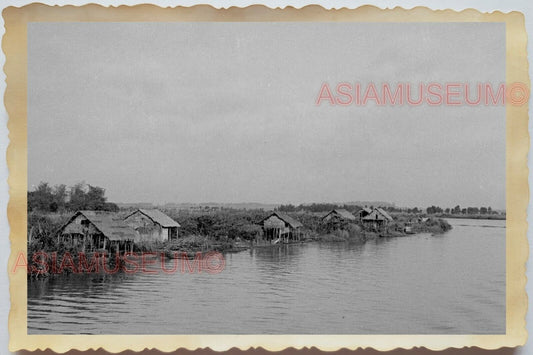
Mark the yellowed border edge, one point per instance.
(14, 45)
(517, 188)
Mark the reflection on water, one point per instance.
(449, 284)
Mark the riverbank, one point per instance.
(219, 231)
(401, 227)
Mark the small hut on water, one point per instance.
(340, 214)
(153, 225)
(94, 230)
(280, 227)
(377, 219)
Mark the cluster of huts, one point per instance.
(371, 216)
(280, 227)
(96, 230)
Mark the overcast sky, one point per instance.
(225, 112)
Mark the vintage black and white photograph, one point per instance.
(266, 178)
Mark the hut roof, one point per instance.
(157, 217)
(109, 224)
(365, 210)
(342, 213)
(378, 214)
(286, 218)
(384, 213)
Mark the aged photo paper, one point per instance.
(194, 177)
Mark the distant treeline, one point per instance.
(58, 198)
(325, 207)
(457, 210)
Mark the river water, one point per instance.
(420, 284)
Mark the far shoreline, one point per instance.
(496, 217)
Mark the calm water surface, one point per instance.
(450, 284)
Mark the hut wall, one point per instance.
(77, 226)
(148, 230)
(81, 233)
(169, 233)
(80, 218)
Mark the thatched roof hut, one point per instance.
(378, 215)
(339, 213)
(281, 226)
(153, 225)
(95, 222)
(97, 230)
(157, 217)
(287, 220)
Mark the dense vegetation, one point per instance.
(219, 225)
(41, 231)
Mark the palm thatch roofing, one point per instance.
(157, 217)
(378, 214)
(341, 212)
(285, 218)
(109, 224)
(384, 213)
(364, 211)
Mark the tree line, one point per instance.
(458, 210)
(59, 198)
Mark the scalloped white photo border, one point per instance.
(524, 6)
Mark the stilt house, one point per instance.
(340, 214)
(279, 227)
(153, 225)
(377, 219)
(95, 230)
